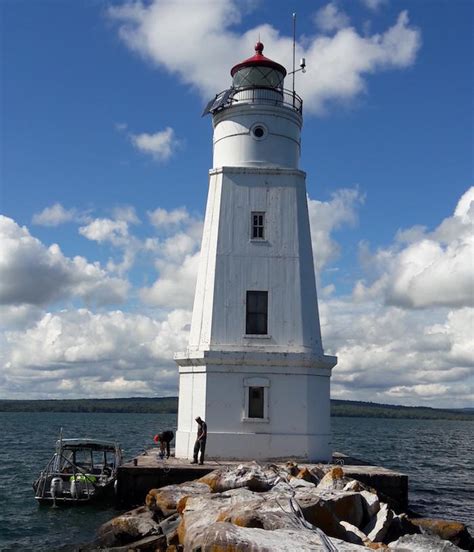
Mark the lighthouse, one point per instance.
(254, 368)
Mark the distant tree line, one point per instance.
(169, 405)
(158, 405)
(375, 410)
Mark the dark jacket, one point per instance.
(202, 431)
(166, 436)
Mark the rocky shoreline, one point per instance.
(272, 508)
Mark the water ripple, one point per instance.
(437, 455)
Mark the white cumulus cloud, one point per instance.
(126, 213)
(390, 355)
(15, 317)
(424, 269)
(79, 353)
(327, 216)
(163, 218)
(176, 258)
(56, 215)
(337, 66)
(161, 145)
(175, 285)
(101, 230)
(331, 18)
(405, 336)
(33, 274)
(116, 232)
(374, 5)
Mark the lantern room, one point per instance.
(258, 71)
(256, 80)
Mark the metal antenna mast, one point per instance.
(302, 61)
(294, 50)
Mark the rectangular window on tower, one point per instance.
(256, 393)
(257, 231)
(256, 402)
(256, 321)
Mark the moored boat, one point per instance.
(80, 470)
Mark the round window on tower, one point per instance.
(259, 131)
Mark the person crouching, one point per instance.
(164, 439)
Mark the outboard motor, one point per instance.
(56, 487)
(76, 487)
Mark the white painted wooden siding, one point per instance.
(232, 263)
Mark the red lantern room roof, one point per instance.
(258, 60)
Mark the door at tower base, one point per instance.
(255, 412)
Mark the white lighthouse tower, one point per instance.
(254, 368)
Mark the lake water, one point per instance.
(438, 457)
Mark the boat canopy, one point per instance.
(93, 444)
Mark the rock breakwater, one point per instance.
(273, 508)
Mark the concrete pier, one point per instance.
(147, 471)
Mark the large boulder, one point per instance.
(334, 480)
(164, 501)
(129, 527)
(422, 543)
(318, 471)
(370, 503)
(156, 543)
(310, 475)
(252, 476)
(202, 510)
(453, 531)
(354, 534)
(262, 518)
(379, 525)
(169, 528)
(222, 536)
(358, 486)
(296, 483)
(400, 526)
(267, 511)
(240, 507)
(327, 509)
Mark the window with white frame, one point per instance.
(256, 409)
(257, 225)
(256, 392)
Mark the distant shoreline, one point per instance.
(169, 405)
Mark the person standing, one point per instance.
(164, 439)
(200, 444)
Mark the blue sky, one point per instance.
(101, 117)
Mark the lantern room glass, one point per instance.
(258, 77)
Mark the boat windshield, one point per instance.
(86, 459)
(83, 458)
